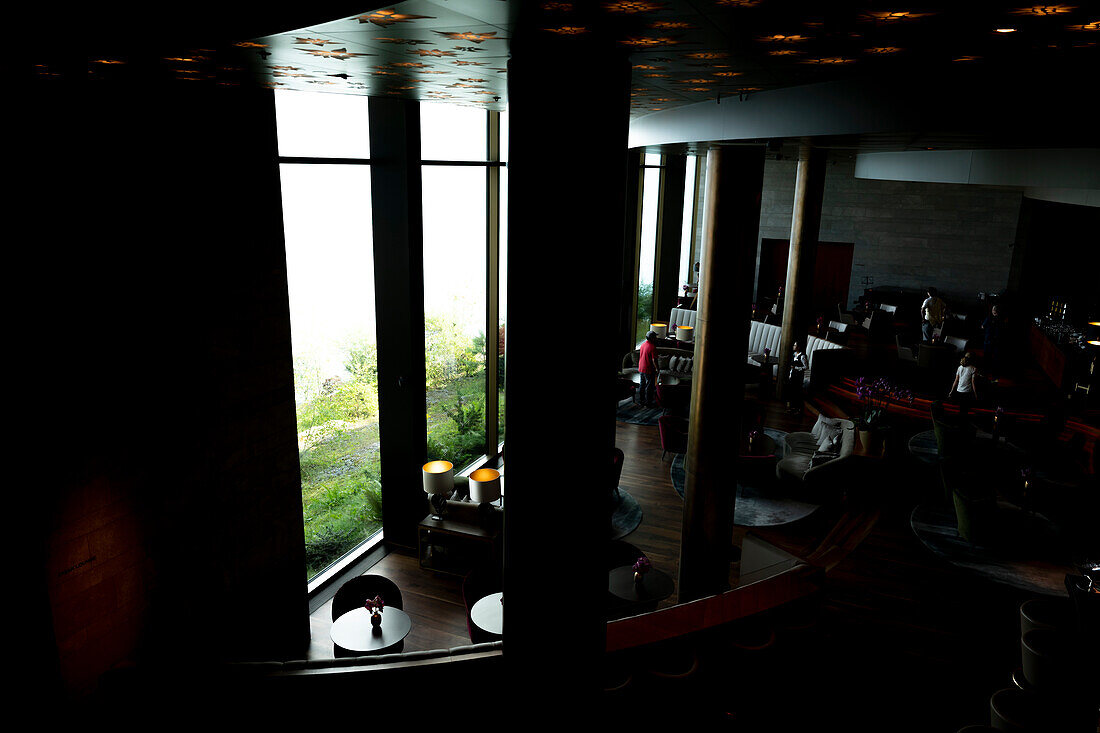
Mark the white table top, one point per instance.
(353, 630)
(488, 613)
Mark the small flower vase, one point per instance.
(376, 623)
(753, 441)
(639, 577)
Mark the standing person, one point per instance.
(649, 369)
(933, 310)
(964, 390)
(799, 365)
(993, 329)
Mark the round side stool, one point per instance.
(1017, 711)
(1048, 660)
(1045, 613)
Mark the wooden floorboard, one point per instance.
(923, 636)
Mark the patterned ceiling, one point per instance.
(681, 51)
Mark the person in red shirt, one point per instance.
(648, 368)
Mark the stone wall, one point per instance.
(956, 237)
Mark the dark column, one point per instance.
(809, 187)
(569, 110)
(669, 235)
(399, 299)
(628, 282)
(734, 181)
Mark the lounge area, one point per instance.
(353, 327)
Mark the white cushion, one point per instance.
(824, 423)
(674, 364)
(829, 439)
(685, 365)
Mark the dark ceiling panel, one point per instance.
(682, 52)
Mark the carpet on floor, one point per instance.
(1031, 558)
(631, 412)
(757, 505)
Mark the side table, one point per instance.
(353, 630)
(454, 545)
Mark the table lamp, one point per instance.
(683, 333)
(661, 329)
(485, 489)
(439, 481)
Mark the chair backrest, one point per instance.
(815, 344)
(620, 552)
(763, 335)
(958, 343)
(615, 468)
(891, 309)
(354, 592)
(904, 352)
(838, 326)
(681, 317)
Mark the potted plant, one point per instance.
(375, 606)
(876, 395)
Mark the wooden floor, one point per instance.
(928, 641)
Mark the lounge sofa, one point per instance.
(818, 457)
(671, 361)
(764, 335)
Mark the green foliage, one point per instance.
(645, 301)
(340, 514)
(467, 415)
(449, 355)
(459, 449)
(362, 362)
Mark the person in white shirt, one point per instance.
(964, 389)
(933, 310)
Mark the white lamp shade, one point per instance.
(661, 329)
(484, 485)
(439, 477)
(683, 333)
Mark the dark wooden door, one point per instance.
(832, 273)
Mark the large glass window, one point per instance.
(687, 238)
(454, 311)
(330, 277)
(459, 246)
(647, 244)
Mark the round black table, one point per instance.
(923, 447)
(655, 586)
(353, 630)
(665, 379)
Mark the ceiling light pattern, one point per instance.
(386, 18)
(893, 16)
(444, 44)
(1045, 10)
(633, 6)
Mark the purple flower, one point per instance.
(374, 605)
(1000, 410)
(767, 351)
(1025, 473)
(642, 565)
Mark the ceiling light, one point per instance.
(1005, 30)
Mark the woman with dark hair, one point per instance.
(964, 390)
